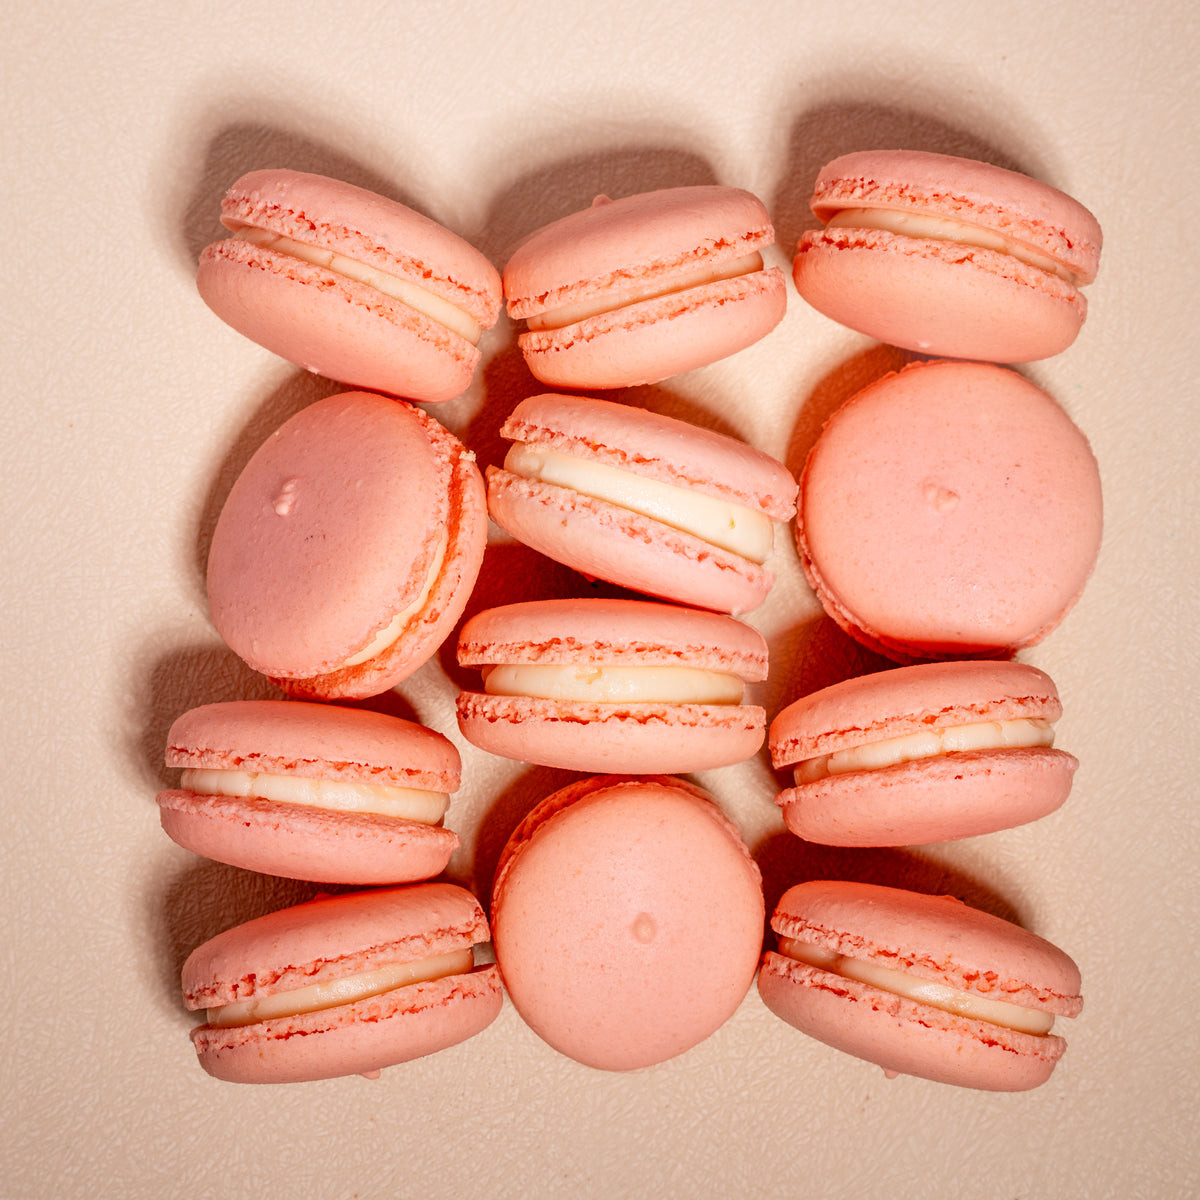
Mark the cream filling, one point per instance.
(423, 300)
(409, 804)
(929, 743)
(316, 996)
(614, 685)
(924, 991)
(734, 527)
(621, 297)
(395, 627)
(947, 229)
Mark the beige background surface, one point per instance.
(128, 408)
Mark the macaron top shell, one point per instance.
(292, 737)
(949, 510)
(657, 447)
(627, 918)
(887, 704)
(630, 241)
(330, 938)
(355, 510)
(937, 938)
(634, 632)
(1024, 210)
(368, 228)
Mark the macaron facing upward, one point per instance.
(614, 686)
(347, 547)
(311, 791)
(949, 510)
(635, 290)
(627, 919)
(948, 256)
(641, 500)
(350, 285)
(342, 985)
(921, 985)
(922, 754)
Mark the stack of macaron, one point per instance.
(947, 517)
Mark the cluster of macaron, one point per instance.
(949, 512)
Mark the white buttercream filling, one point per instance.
(906, 223)
(316, 996)
(924, 991)
(929, 743)
(614, 685)
(424, 301)
(395, 627)
(734, 527)
(409, 804)
(614, 298)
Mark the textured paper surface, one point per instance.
(129, 408)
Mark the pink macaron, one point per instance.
(350, 285)
(311, 791)
(921, 754)
(617, 686)
(347, 547)
(342, 985)
(949, 510)
(627, 919)
(641, 500)
(635, 290)
(948, 256)
(920, 985)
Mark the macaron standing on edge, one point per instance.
(948, 256)
(612, 686)
(348, 546)
(920, 985)
(350, 285)
(949, 510)
(920, 754)
(342, 985)
(642, 500)
(638, 289)
(311, 791)
(627, 919)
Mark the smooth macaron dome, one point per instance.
(627, 920)
(348, 546)
(921, 754)
(635, 290)
(613, 686)
(642, 500)
(350, 284)
(949, 510)
(920, 985)
(342, 985)
(311, 791)
(948, 256)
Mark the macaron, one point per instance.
(627, 920)
(641, 500)
(348, 546)
(342, 985)
(920, 985)
(921, 754)
(948, 256)
(617, 686)
(350, 284)
(635, 290)
(311, 791)
(949, 510)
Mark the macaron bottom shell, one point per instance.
(300, 842)
(903, 1036)
(930, 800)
(354, 1039)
